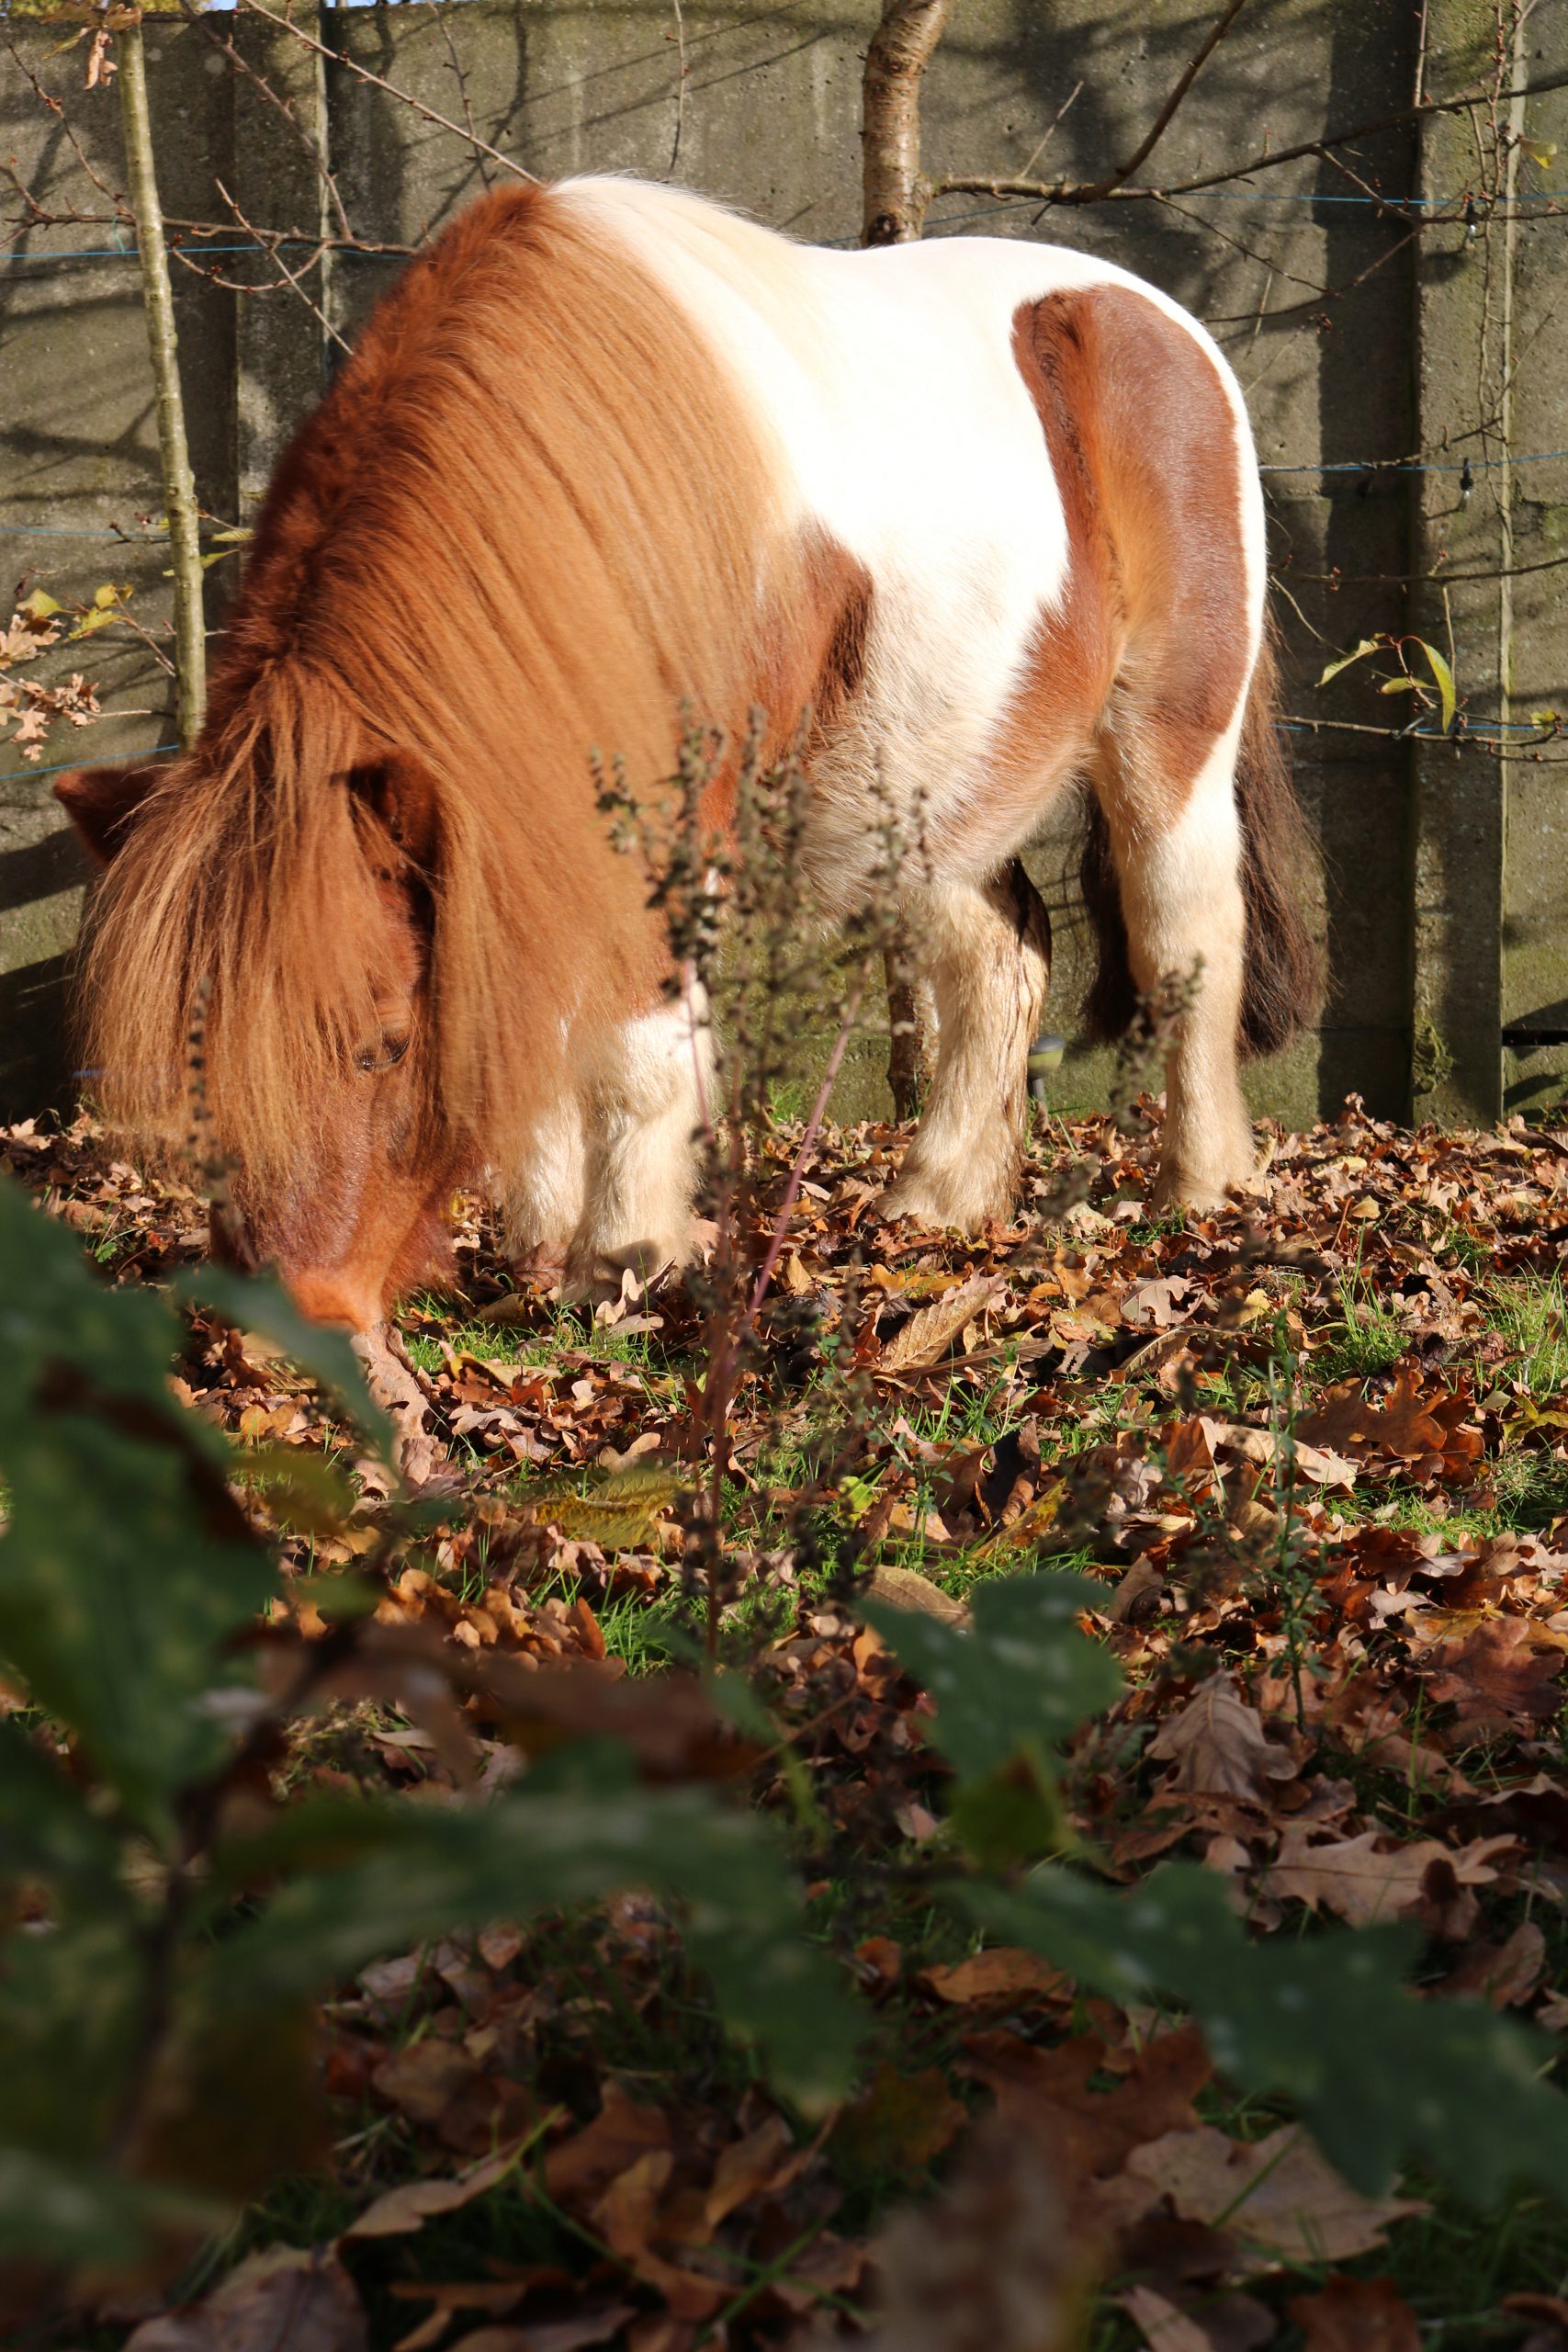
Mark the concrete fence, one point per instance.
(1407, 368)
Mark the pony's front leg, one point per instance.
(649, 1099)
(986, 949)
(542, 1201)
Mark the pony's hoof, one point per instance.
(1200, 1196)
(942, 1208)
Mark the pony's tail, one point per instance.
(1283, 985)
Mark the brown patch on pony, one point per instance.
(530, 517)
(1148, 642)
(1154, 606)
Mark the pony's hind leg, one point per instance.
(986, 949)
(647, 1099)
(1176, 845)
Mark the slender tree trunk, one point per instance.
(901, 48)
(179, 485)
(893, 211)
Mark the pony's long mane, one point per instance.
(529, 518)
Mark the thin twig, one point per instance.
(179, 483)
(363, 73)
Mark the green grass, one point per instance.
(1364, 1343)
(1530, 1313)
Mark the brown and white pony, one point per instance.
(991, 509)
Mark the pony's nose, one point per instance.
(332, 1298)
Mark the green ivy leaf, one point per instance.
(1019, 1682)
(382, 1877)
(1325, 2020)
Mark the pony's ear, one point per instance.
(103, 803)
(402, 792)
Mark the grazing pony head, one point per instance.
(261, 971)
(523, 524)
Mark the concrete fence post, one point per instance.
(1463, 279)
(280, 347)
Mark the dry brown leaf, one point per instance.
(1092, 2133)
(1496, 1677)
(621, 2133)
(1281, 2196)
(1005, 1973)
(1356, 2315)
(626, 2217)
(765, 2159)
(300, 2298)
(905, 1588)
(1219, 1748)
(1501, 1974)
(414, 2202)
(930, 1330)
(1368, 1878)
(1212, 2322)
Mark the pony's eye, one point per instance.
(386, 1055)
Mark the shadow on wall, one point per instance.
(35, 1073)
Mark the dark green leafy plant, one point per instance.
(166, 1936)
(1326, 2022)
(160, 1954)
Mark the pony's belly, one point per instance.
(907, 770)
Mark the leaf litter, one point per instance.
(1313, 1453)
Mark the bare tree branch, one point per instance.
(312, 145)
(351, 65)
(1103, 191)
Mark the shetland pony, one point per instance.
(988, 510)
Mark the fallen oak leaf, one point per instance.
(1368, 1878)
(765, 2161)
(298, 2297)
(1496, 1675)
(1218, 1748)
(930, 1330)
(623, 2131)
(626, 2217)
(1501, 1974)
(1092, 2133)
(414, 2202)
(1281, 2196)
(906, 1588)
(447, 2298)
(1212, 2322)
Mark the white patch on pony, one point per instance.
(989, 964)
(646, 1093)
(901, 426)
(542, 1201)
